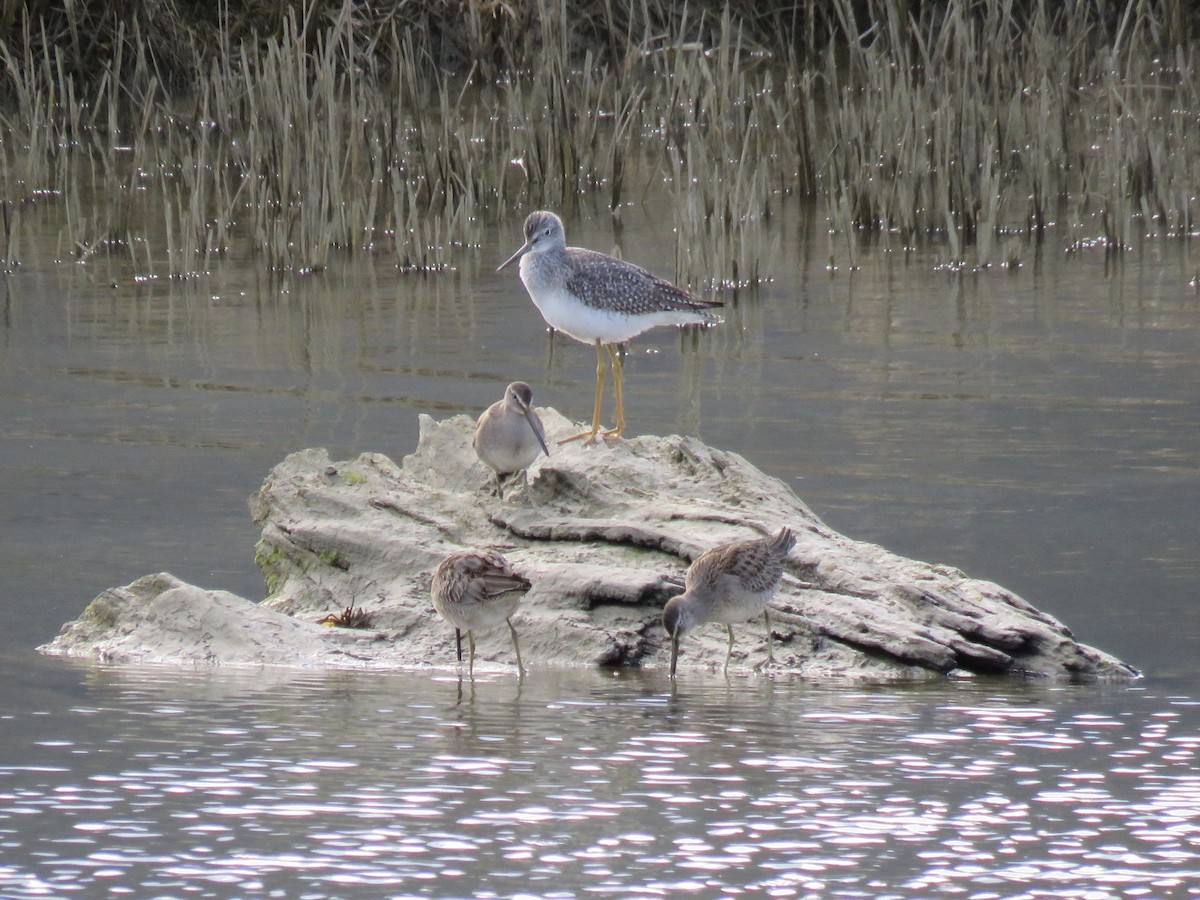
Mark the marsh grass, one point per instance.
(340, 130)
(971, 120)
(10, 230)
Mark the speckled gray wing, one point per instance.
(488, 576)
(603, 282)
(756, 564)
(467, 578)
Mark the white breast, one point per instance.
(587, 324)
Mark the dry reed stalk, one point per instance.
(955, 125)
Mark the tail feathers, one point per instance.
(682, 299)
(783, 541)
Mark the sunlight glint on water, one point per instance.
(369, 785)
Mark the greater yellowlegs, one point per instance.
(728, 584)
(476, 591)
(509, 434)
(598, 299)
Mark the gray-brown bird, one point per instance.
(476, 591)
(598, 299)
(509, 435)
(728, 584)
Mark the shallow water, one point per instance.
(166, 783)
(1037, 428)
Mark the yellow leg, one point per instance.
(471, 664)
(618, 389)
(728, 650)
(590, 436)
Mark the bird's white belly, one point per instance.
(589, 324)
(480, 617)
(738, 606)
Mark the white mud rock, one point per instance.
(605, 533)
(160, 619)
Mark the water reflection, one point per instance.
(295, 784)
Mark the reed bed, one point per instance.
(323, 130)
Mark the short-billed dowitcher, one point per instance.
(729, 583)
(476, 591)
(598, 299)
(509, 434)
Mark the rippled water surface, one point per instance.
(1039, 428)
(161, 783)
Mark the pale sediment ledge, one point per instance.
(605, 533)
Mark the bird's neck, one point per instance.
(544, 267)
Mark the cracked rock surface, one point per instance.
(605, 533)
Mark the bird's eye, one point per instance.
(547, 231)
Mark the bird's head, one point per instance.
(543, 231)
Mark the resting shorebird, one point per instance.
(509, 434)
(477, 591)
(728, 584)
(598, 299)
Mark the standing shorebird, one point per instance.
(477, 591)
(509, 434)
(598, 299)
(728, 584)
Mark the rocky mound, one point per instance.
(605, 533)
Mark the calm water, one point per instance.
(1038, 428)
